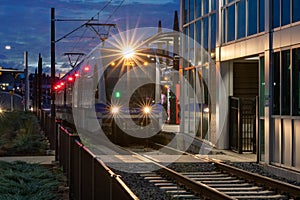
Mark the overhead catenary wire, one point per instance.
(82, 25)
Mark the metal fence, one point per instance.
(88, 177)
(242, 124)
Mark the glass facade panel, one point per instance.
(213, 33)
(261, 15)
(286, 12)
(205, 39)
(191, 43)
(185, 11)
(252, 17)
(224, 25)
(198, 32)
(198, 42)
(285, 83)
(296, 82)
(191, 10)
(241, 30)
(276, 83)
(276, 13)
(231, 23)
(198, 8)
(262, 87)
(213, 5)
(205, 6)
(262, 140)
(296, 8)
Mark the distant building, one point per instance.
(249, 49)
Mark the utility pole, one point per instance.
(53, 125)
(26, 100)
(39, 85)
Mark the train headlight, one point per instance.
(206, 110)
(147, 110)
(128, 52)
(115, 110)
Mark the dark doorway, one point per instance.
(243, 107)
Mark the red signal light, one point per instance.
(70, 78)
(86, 68)
(62, 83)
(76, 75)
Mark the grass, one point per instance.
(20, 135)
(20, 180)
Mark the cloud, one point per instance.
(25, 25)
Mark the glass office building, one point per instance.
(244, 64)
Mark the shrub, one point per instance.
(20, 135)
(20, 180)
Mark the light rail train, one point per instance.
(118, 91)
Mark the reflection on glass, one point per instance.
(262, 87)
(241, 31)
(185, 11)
(286, 11)
(276, 13)
(261, 15)
(285, 86)
(191, 9)
(198, 8)
(296, 8)
(231, 23)
(276, 84)
(213, 33)
(252, 17)
(296, 82)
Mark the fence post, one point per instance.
(240, 128)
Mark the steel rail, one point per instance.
(197, 187)
(281, 187)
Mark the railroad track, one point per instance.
(221, 182)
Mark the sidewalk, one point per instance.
(43, 160)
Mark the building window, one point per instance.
(213, 5)
(261, 15)
(285, 82)
(205, 7)
(198, 8)
(252, 17)
(191, 10)
(231, 23)
(276, 83)
(276, 13)
(205, 39)
(185, 11)
(224, 26)
(262, 87)
(286, 12)
(199, 42)
(191, 43)
(296, 8)
(241, 31)
(296, 82)
(213, 33)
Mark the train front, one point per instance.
(132, 96)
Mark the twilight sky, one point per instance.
(25, 25)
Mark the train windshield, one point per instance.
(131, 79)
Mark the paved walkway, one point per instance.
(43, 160)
